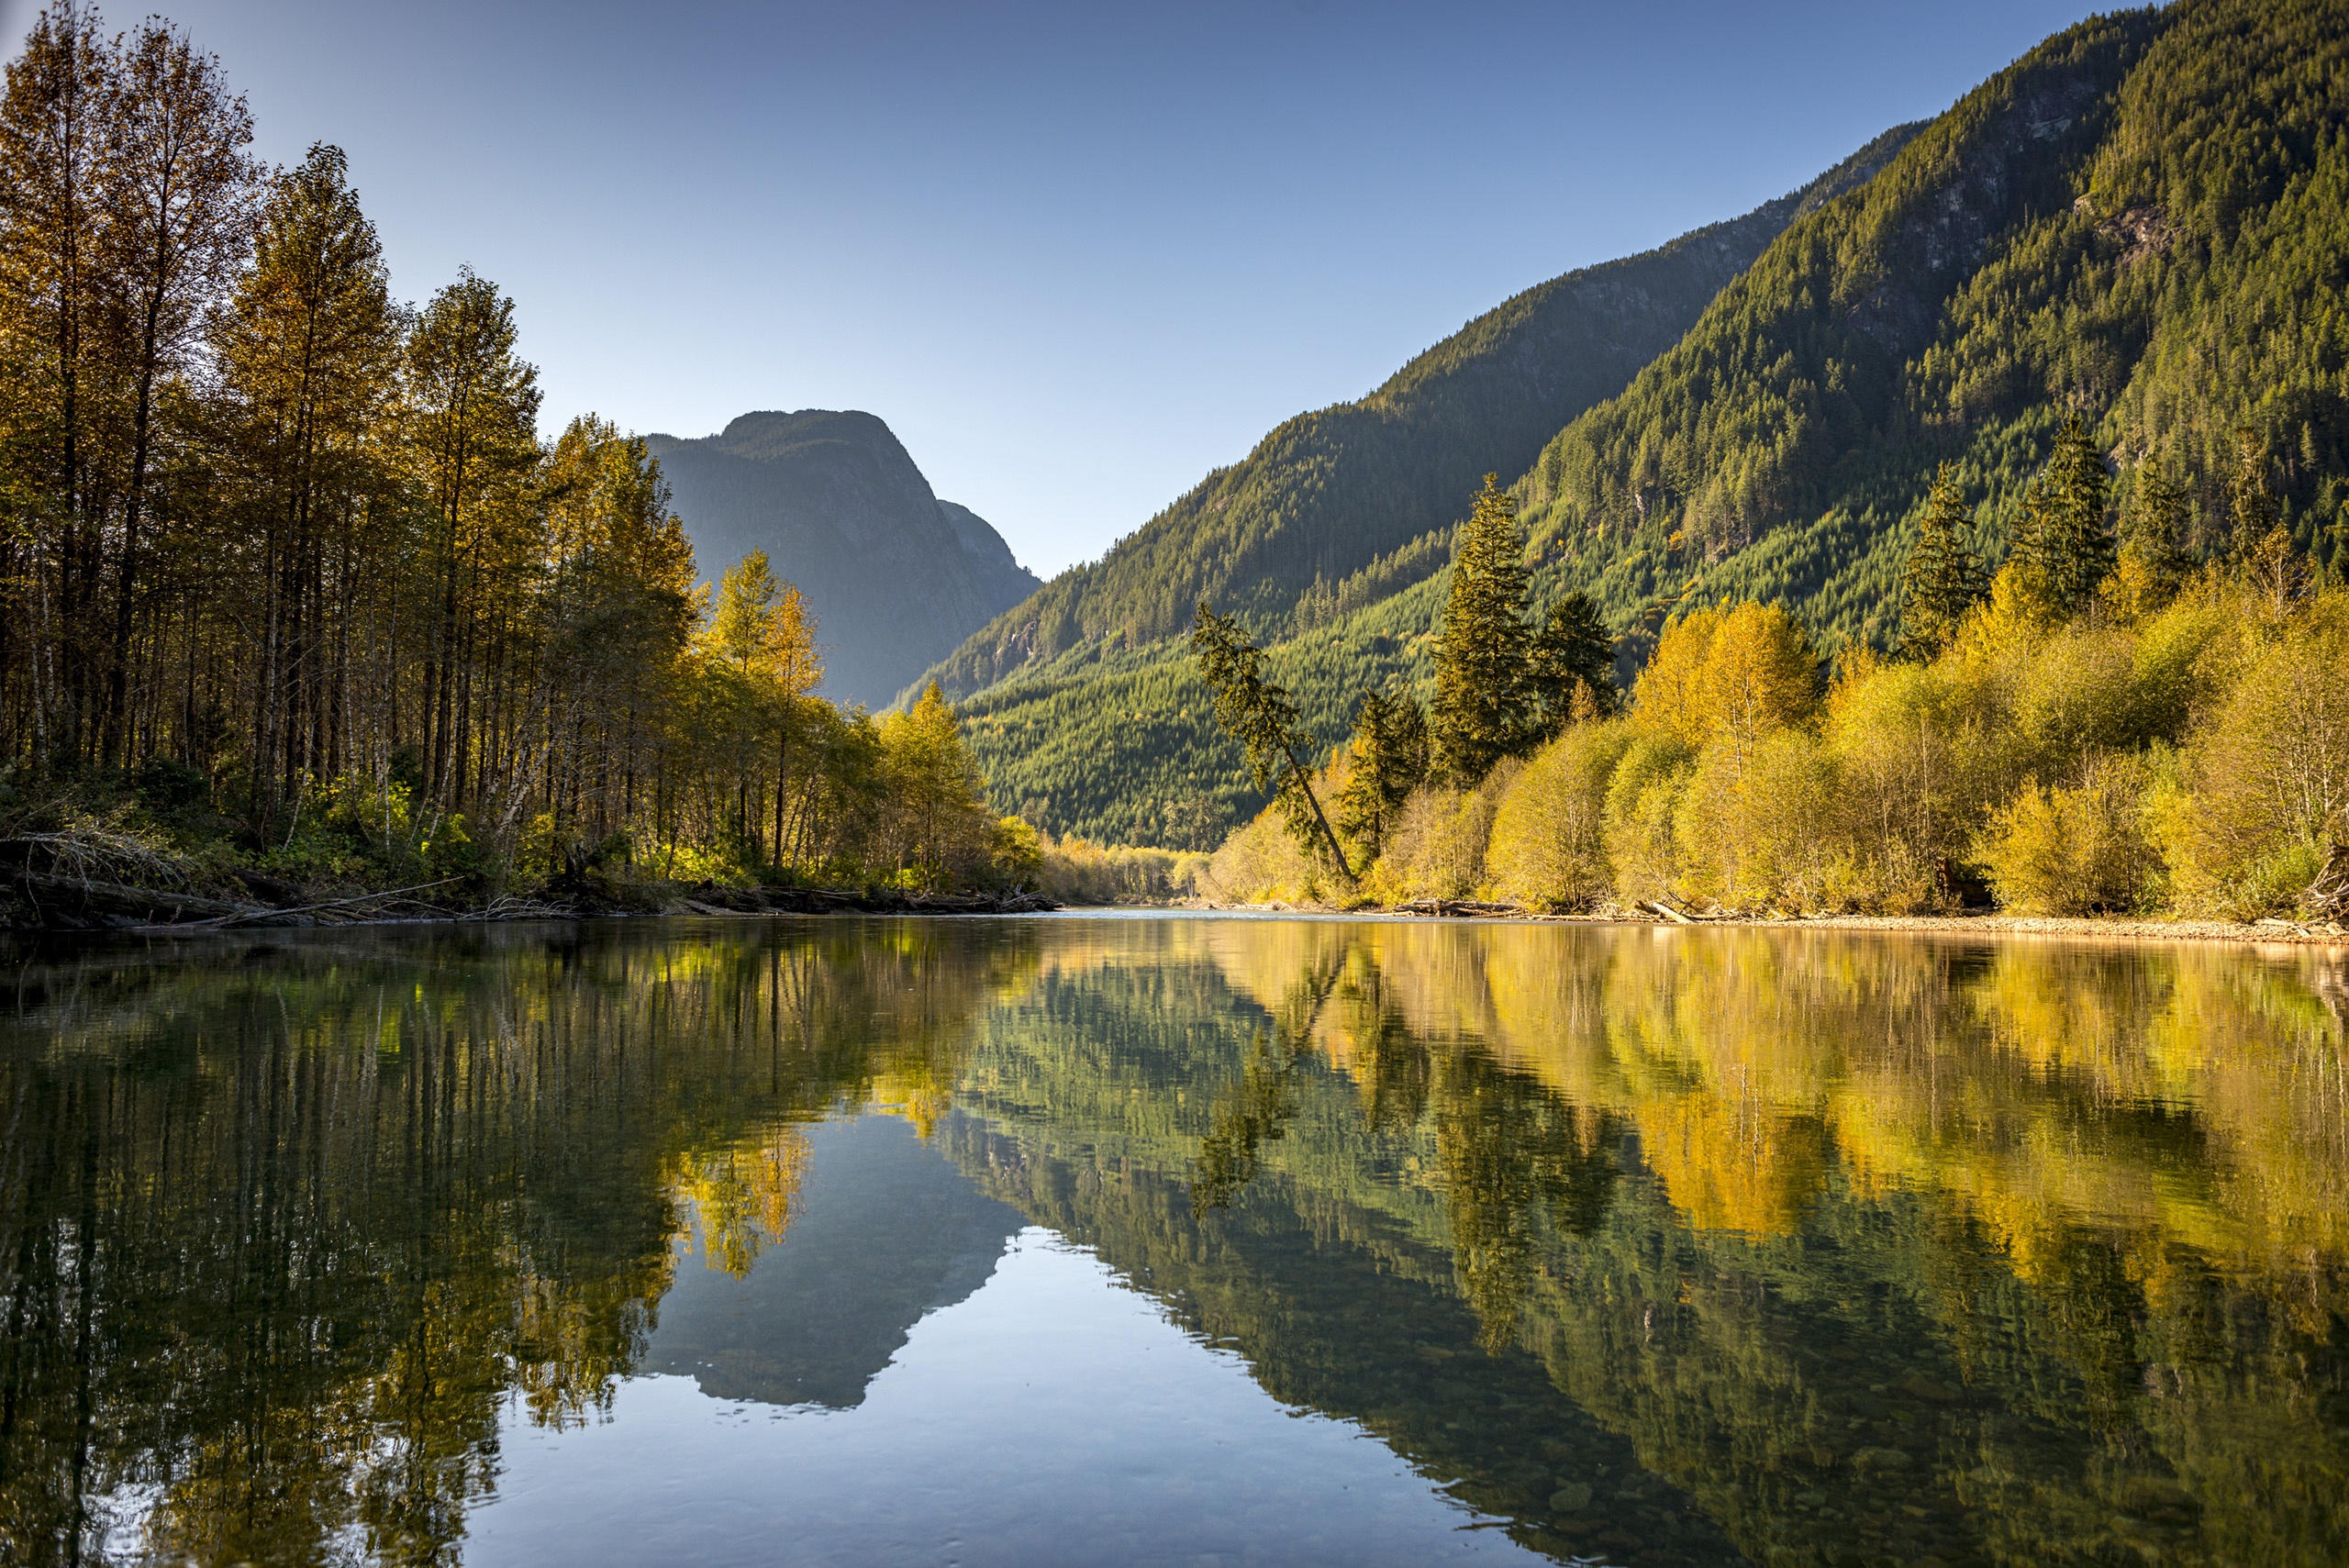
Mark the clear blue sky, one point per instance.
(1074, 256)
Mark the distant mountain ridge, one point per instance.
(1328, 493)
(896, 576)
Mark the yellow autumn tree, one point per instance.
(1760, 674)
(1670, 697)
(936, 826)
(758, 662)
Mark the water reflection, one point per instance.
(886, 1233)
(1659, 1248)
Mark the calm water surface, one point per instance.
(1171, 1241)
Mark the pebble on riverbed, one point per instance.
(1572, 1497)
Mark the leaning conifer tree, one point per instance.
(1943, 578)
(1483, 654)
(1259, 716)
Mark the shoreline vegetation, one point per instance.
(2114, 724)
(302, 618)
(300, 612)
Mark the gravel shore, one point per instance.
(2301, 933)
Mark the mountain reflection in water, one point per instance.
(1645, 1247)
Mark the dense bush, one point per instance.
(1549, 840)
(2076, 849)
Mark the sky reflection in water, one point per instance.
(1171, 1241)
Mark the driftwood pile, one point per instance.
(1455, 907)
(74, 882)
(2328, 896)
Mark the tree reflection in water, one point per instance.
(1813, 1248)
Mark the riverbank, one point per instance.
(1983, 923)
(64, 900)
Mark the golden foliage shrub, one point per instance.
(1763, 828)
(2080, 849)
(2269, 774)
(1260, 863)
(1548, 848)
(1920, 762)
(2075, 696)
(1643, 808)
(1077, 871)
(1438, 849)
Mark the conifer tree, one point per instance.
(1390, 758)
(1483, 654)
(182, 212)
(2252, 508)
(1259, 716)
(2028, 548)
(2076, 547)
(2157, 511)
(2153, 552)
(2061, 548)
(935, 801)
(473, 413)
(55, 194)
(1944, 579)
(307, 347)
(1573, 664)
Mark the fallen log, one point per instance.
(85, 896)
(1668, 912)
(223, 921)
(1445, 906)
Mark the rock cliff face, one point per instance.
(896, 576)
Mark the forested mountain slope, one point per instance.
(895, 575)
(1328, 493)
(2142, 219)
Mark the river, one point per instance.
(1193, 1241)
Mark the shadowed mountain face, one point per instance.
(896, 576)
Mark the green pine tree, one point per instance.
(1390, 758)
(2252, 508)
(2154, 532)
(1484, 690)
(1944, 579)
(2077, 545)
(2027, 550)
(1573, 664)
